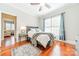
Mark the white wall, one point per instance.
(0, 29)
(23, 19)
(71, 20)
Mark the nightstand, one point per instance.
(22, 37)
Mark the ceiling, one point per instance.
(34, 9)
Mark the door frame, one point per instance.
(7, 17)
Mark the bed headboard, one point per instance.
(30, 27)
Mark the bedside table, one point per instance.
(22, 37)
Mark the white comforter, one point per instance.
(43, 39)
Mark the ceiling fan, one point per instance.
(41, 6)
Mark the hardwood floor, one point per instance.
(58, 48)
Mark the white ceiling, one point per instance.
(33, 9)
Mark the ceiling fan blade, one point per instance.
(47, 5)
(35, 3)
(40, 8)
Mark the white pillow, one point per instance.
(31, 32)
(38, 30)
(43, 39)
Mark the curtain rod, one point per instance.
(54, 15)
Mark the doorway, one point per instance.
(8, 30)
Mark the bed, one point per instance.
(38, 37)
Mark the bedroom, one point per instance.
(22, 22)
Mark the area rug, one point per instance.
(26, 50)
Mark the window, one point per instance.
(48, 25)
(9, 26)
(56, 25)
(52, 25)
